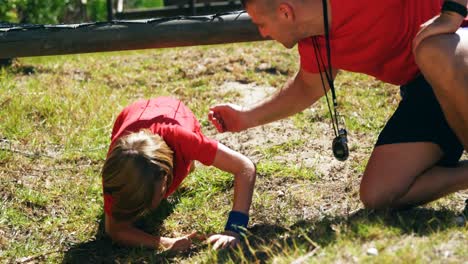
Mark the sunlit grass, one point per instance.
(56, 114)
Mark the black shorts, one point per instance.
(419, 118)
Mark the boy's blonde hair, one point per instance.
(134, 165)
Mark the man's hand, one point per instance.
(228, 117)
(179, 243)
(445, 23)
(224, 240)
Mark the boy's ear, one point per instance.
(285, 11)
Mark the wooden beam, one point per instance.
(40, 40)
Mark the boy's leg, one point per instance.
(405, 174)
(443, 59)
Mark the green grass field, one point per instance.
(56, 115)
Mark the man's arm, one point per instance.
(445, 23)
(457, 18)
(297, 94)
(461, 2)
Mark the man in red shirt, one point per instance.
(416, 158)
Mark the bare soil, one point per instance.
(336, 191)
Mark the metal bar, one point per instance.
(40, 40)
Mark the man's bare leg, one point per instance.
(405, 174)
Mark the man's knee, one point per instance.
(371, 200)
(374, 197)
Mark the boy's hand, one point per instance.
(179, 243)
(226, 239)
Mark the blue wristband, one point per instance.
(237, 222)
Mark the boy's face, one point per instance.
(160, 189)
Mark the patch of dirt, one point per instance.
(315, 153)
(338, 181)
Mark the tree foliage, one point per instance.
(52, 11)
(143, 3)
(31, 11)
(63, 11)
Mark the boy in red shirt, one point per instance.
(416, 158)
(153, 145)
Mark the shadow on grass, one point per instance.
(102, 250)
(267, 241)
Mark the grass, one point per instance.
(56, 114)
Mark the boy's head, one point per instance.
(137, 173)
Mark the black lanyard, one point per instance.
(340, 142)
(329, 71)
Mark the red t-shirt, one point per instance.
(373, 37)
(179, 128)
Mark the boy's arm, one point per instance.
(126, 234)
(243, 169)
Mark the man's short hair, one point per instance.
(267, 3)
